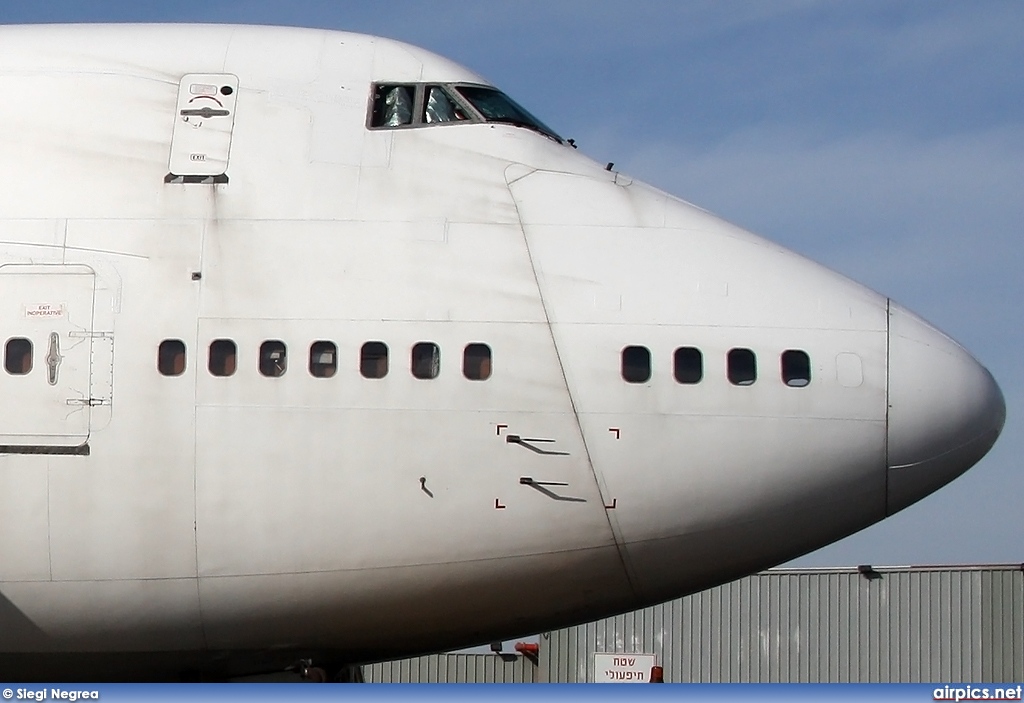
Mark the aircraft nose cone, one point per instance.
(945, 409)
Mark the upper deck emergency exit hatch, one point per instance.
(203, 121)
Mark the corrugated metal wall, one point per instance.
(1002, 630)
(831, 625)
(901, 625)
(453, 668)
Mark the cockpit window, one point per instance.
(440, 107)
(424, 104)
(392, 105)
(495, 106)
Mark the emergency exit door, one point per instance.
(203, 121)
(46, 329)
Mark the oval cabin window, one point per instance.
(426, 360)
(476, 362)
(796, 368)
(688, 365)
(273, 358)
(18, 356)
(742, 367)
(636, 364)
(373, 360)
(323, 359)
(223, 357)
(170, 360)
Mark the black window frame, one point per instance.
(22, 349)
(465, 96)
(376, 96)
(372, 361)
(737, 371)
(221, 353)
(269, 366)
(629, 366)
(477, 367)
(167, 355)
(795, 368)
(691, 379)
(422, 354)
(320, 369)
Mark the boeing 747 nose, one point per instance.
(324, 357)
(945, 409)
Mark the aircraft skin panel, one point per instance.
(24, 519)
(763, 284)
(87, 616)
(361, 451)
(354, 479)
(121, 128)
(43, 239)
(454, 271)
(128, 510)
(341, 607)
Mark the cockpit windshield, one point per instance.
(440, 107)
(400, 105)
(495, 106)
(393, 105)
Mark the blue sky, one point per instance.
(883, 139)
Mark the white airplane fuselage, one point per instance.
(516, 462)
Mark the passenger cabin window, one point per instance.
(796, 368)
(476, 362)
(426, 360)
(373, 360)
(170, 358)
(323, 359)
(392, 105)
(688, 365)
(439, 107)
(18, 356)
(223, 358)
(273, 358)
(742, 367)
(636, 364)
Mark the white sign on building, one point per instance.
(623, 668)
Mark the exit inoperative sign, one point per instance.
(623, 668)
